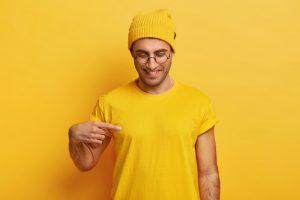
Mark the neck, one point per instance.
(164, 86)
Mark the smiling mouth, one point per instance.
(152, 74)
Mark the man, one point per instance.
(163, 130)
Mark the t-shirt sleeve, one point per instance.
(98, 112)
(207, 116)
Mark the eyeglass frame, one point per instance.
(148, 58)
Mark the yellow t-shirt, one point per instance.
(155, 150)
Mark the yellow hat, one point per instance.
(157, 24)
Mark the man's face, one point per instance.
(152, 73)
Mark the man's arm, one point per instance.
(208, 174)
(86, 155)
(87, 141)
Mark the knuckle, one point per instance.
(91, 140)
(94, 129)
(101, 130)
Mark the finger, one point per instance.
(101, 131)
(107, 132)
(107, 125)
(91, 140)
(97, 136)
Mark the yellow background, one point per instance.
(57, 57)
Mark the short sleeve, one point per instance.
(207, 116)
(98, 112)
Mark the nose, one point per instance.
(152, 64)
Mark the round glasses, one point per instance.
(144, 58)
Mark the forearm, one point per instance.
(81, 155)
(209, 186)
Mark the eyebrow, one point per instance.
(143, 51)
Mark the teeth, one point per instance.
(152, 73)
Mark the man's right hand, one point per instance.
(93, 132)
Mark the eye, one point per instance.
(142, 55)
(161, 54)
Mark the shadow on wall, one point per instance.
(97, 183)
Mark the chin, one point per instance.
(153, 82)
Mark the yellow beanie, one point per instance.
(157, 24)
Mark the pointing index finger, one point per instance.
(107, 125)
